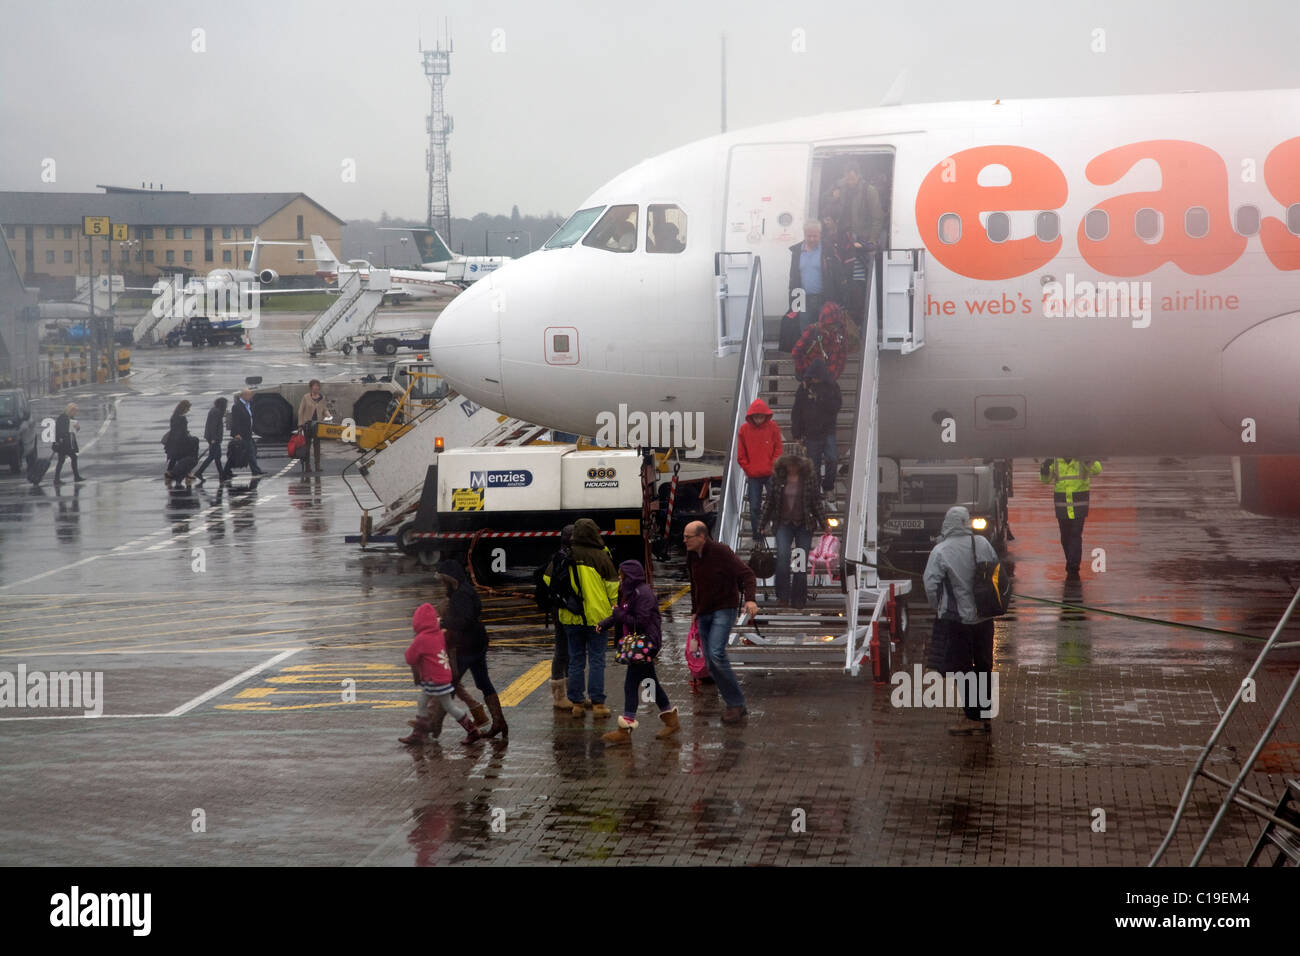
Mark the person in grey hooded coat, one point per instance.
(961, 641)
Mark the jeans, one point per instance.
(476, 665)
(252, 457)
(786, 536)
(560, 660)
(214, 455)
(586, 651)
(715, 628)
(820, 449)
(812, 311)
(757, 488)
(1072, 539)
(637, 672)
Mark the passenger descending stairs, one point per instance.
(351, 314)
(835, 628)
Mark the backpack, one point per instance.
(991, 587)
(563, 594)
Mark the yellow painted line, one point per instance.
(252, 692)
(526, 683)
(684, 590)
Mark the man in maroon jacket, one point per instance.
(718, 579)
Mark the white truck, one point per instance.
(511, 503)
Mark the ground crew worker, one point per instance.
(1070, 494)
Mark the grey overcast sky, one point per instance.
(575, 91)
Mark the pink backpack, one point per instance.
(696, 662)
(827, 553)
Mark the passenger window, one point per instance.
(1096, 225)
(1197, 222)
(998, 227)
(1246, 221)
(1293, 218)
(616, 231)
(1146, 223)
(1047, 226)
(665, 229)
(949, 228)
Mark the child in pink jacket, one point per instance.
(431, 669)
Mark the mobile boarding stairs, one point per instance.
(350, 315)
(852, 615)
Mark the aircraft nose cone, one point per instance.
(465, 344)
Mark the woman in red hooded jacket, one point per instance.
(758, 448)
(431, 669)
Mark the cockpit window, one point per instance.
(665, 229)
(616, 231)
(573, 229)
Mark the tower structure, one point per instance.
(437, 67)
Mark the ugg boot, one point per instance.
(623, 735)
(560, 694)
(600, 710)
(671, 724)
(468, 723)
(577, 710)
(417, 735)
(498, 719)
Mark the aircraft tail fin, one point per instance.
(435, 249)
(326, 261)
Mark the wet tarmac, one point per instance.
(254, 687)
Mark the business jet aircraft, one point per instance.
(446, 265)
(415, 283)
(1022, 212)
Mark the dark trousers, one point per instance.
(637, 673)
(970, 648)
(1072, 539)
(792, 589)
(214, 455)
(475, 664)
(560, 660)
(59, 467)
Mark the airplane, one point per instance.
(414, 283)
(449, 265)
(1005, 210)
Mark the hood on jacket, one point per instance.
(818, 370)
(453, 569)
(586, 533)
(786, 463)
(633, 574)
(832, 314)
(956, 521)
(566, 536)
(758, 407)
(425, 618)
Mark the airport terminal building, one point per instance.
(19, 329)
(168, 231)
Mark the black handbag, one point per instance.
(790, 332)
(762, 561)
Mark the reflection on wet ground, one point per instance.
(261, 659)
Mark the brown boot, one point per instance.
(480, 715)
(623, 735)
(417, 735)
(498, 718)
(559, 695)
(468, 723)
(577, 710)
(671, 724)
(600, 710)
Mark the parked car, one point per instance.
(17, 428)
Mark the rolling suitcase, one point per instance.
(236, 454)
(36, 468)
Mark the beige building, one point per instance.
(168, 231)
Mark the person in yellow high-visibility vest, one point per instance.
(1070, 493)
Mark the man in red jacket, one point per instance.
(758, 447)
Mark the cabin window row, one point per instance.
(1148, 224)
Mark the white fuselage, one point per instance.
(1221, 342)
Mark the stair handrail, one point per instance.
(748, 374)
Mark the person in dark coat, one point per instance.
(719, 580)
(65, 442)
(637, 612)
(241, 427)
(815, 272)
(214, 433)
(467, 642)
(795, 508)
(812, 420)
(176, 442)
(560, 659)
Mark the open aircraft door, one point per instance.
(767, 203)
